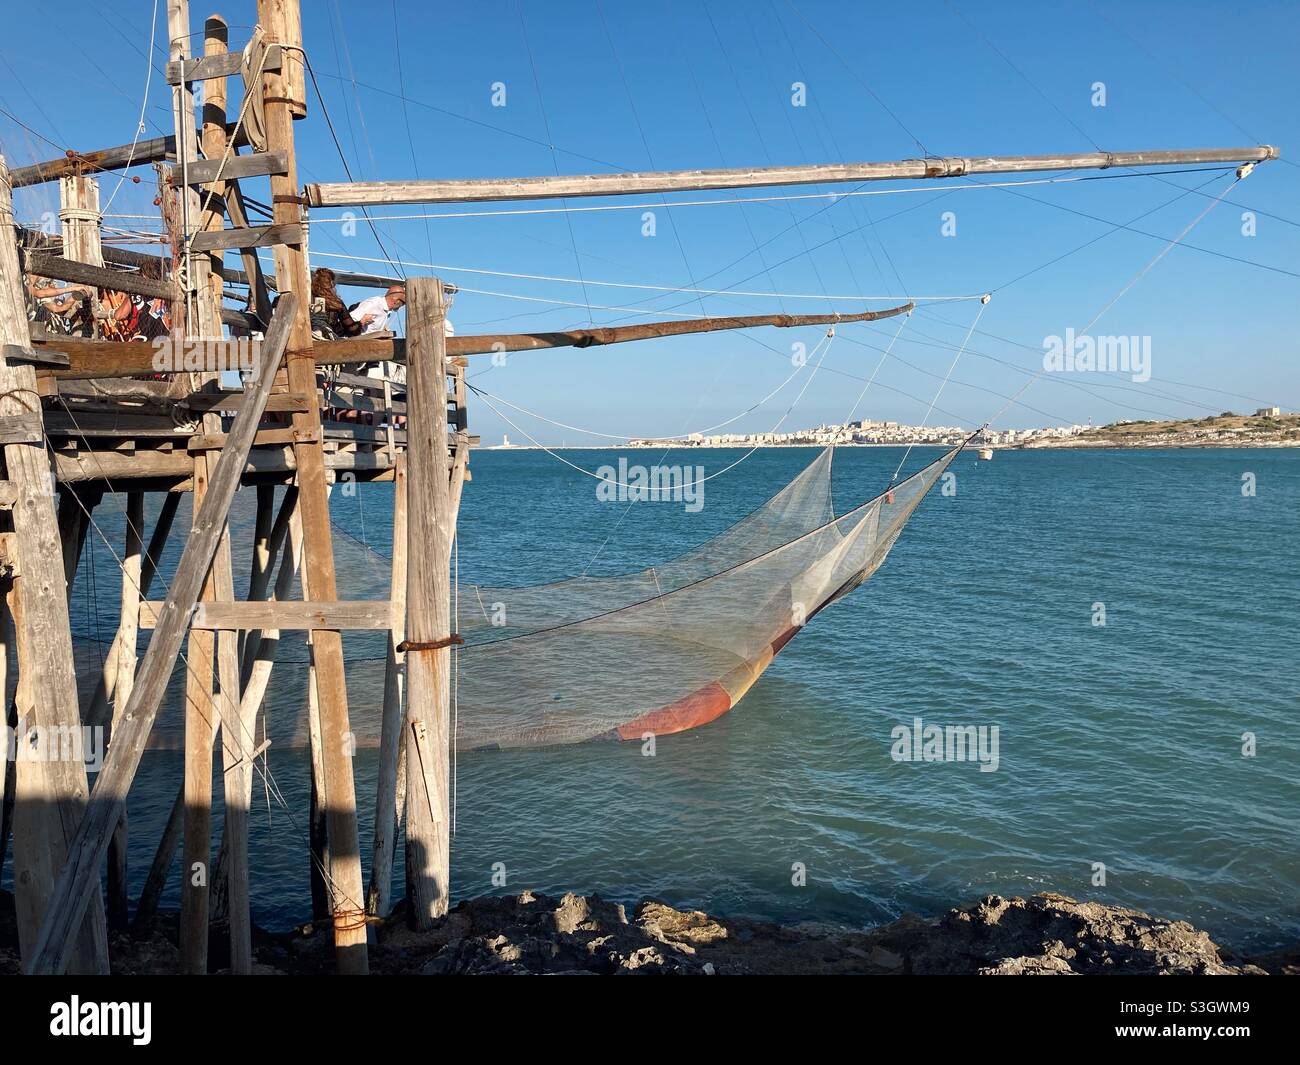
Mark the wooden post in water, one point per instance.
(125, 655)
(428, 606)
(50, 795)
(282, 100)
(236, 739)
(393, 722)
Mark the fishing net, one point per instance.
(664, 649)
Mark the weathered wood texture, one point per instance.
(281, 102)
(366, 193)
(78, 881)
(102, 359)
(50, 797)
(379, 898)
(428, 609)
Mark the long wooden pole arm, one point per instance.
(586, 338)
(362, 193)
(102, 358)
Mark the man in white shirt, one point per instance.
(373, 312)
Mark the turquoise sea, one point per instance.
(1119, 744)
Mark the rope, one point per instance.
(641, 286)
(644, 436)
(144, 103)
(942, 384)
(1115, 298)
(854, 409)
(830, 335)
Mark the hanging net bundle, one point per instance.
(657, 651)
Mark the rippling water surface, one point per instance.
(1119, 744)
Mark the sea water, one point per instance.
(1125, 620)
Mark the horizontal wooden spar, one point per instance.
(203, 171)
(56, 266)
(286, 614)
(252, 237)
(363, 193)
(587, 338)
(100, 358)
(220, 65)
(141, 153)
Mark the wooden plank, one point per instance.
(251, 237)
(216, 65)
(22, 429)
(368, 193)
(231, 400)
(51, 805)
(230, 168)
(264, 438)
(346, 885)
(8, 497)
(78, 881)
(293, 614)
(21, 353)
(428, 609)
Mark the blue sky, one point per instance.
(657, 86)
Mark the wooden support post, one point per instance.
(236, 741)
(393, 722)
(80, 219)
(8, 707)
(281, 21)
(428, 607)
(50, 800)
(78, 883)
(125, 648)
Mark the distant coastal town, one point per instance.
(1266, 427)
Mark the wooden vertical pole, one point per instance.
(80, 218)
(49, 802)
(201, 713)
(282, 22)
(129, 627)
(428, 606)
(236, 739)
(393, 722)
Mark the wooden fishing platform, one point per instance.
(82, 418)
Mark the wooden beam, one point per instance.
(230, 169)
(281, 99)
(216, 65)
(428, 609)
(91, 359)
(49, 265)
(252, 237)
(292, 614)
(481, 190)
(79, 880)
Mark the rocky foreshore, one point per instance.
(1045, 934)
